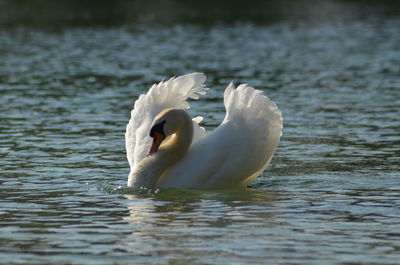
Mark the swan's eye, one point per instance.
(159, 127)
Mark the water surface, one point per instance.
(330, 196)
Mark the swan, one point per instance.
(166, 148)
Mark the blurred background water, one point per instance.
(71, 70)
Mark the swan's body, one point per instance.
(230, 156)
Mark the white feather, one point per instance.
(238, 150)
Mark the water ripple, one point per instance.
(330, 195)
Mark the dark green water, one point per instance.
(330, 196)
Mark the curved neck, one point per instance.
(175, 148)
(148, 172)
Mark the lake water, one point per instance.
(330, 196)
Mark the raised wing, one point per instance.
(238, 150)
(173, 93)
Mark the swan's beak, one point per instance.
(157, 140)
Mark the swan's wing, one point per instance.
(238, 150)
(173, 93)
(198, 132)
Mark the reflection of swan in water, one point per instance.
(181, 155)
(164, 222)
(195, 207)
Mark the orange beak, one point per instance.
(157, 140)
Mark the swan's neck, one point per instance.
(148, 171)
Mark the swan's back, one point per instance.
(238, 150)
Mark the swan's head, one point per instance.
(166, 123)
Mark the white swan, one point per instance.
(166, 148)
